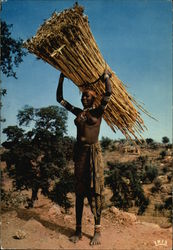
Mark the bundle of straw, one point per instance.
(65, 41)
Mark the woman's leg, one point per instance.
(95, 202)
(79, 211)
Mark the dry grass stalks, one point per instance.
(65, 41)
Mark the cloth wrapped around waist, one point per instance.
(89, 169)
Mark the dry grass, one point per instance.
(66, 42)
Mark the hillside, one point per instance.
(47, 226)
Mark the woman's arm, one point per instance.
(106, 97)
(59, 97)
(108, 90)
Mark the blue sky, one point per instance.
(134, 37)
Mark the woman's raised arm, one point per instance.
(60, 99)
(106, 97)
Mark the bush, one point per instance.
(126, 186)
(165, 169)
(151, 172)
(12, 199)
(61, 188)
(165, 140)
(149, 141)
(143, 160)
(167, 205)
(105, 143)
(163, 154)
(157, 185)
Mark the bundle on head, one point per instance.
(66, 42)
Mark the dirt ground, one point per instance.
(46, 227)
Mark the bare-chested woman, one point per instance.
(89, 171)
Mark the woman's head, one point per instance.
(88, 98)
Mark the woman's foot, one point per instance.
(78, 234)
(97, 235)
(96, 239)
(76, 237)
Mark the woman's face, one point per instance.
(87, 99)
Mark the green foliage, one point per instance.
(165, 205)
(3, 92)
(149, 140)
(12, 199)
(36, 158)
(68, 144)
(11, 51)
(105, 143)
(125, 184)
(143, 160)
(165, 139)
(163, 154)
(151, 172)
(165, 169)
(157, 185)
(13, 133)
(62, 187)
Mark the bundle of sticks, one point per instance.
(66, 42)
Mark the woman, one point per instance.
(87, 154)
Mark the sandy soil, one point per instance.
(46, 227)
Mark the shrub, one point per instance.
(126, 186)
(165, 140)
(163, 154)
(12, 199)
(105, 143)
(151, 172)
(143, 160)
(167, 205)
(149, 141)
(157, 183)
(165, 169)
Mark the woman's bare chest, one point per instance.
(86, 118)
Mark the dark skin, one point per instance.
(88, 123)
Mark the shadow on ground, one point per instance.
(63, 229)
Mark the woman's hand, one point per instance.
(62, 75)
(106, 75)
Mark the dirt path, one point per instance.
(46, 227)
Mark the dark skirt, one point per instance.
(89, 171)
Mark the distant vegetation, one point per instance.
(38, 153)
(124, 181)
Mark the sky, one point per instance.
(134, 37)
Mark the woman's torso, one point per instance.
(88, 126)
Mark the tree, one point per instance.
(105, 142)
(125, 184)
(11, 51)
(11, 56)
(149, 141)
(165, 140)
(37, 158)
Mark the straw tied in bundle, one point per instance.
(65, 41)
